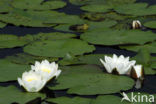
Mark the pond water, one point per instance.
(149, 85)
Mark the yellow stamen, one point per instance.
(31, 79)
(46, 70)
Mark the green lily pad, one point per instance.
(66, 70)
(91, 25)
(116, 37)
(5, 6)
(66, 100)
(23, 58)
(92, 84)
(105, 2)
(2, 24)
(11, 41)
(48, 36)
(96, 8)
(150, 24)
(109, 99)
(10, 71)
(85, 59)
(104, 16)
(38, 4)
(53, 36)
(58, 48)
(151, 47)
(143, 57)
(38, 18)
(136, 9)
(12, 94)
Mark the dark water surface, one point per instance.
(149, 83)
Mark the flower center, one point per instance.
(46, 70)
(31, 79)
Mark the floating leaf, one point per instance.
(2, 24)
(151, 47)
(38, 4)
(4, 6)
(58, 48)
(38, 18)
(109, 99)
(116, 37)
(12, 94)
(136, 9)
(150, 24)
(96, 8)
(85, 59)
(10, 71)
(66, 70)
(92, 84)
(105, 2)
(23, 58)
(103, 16)
(91, 25)
(52, 36)
(11, 41)
(144, 58)
(66, 100)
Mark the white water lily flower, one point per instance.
(136, 24)
(138, 70)
(32, 81)
(121, 64)
(46, 69)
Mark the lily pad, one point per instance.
(10, 71)
(151, 47)
(106, 2)
(92, 84)
(103, 16)
(136, 9)
(5, 6)
(53, 36)
(11, 41)
(143, 57)
(66, 70)
(150, 24)
(59, 48)
(66, 100)
(109, 99)
(32, 18)
(12, 94)
(97, 8)
(2, 24)
(118, 37)
(85, 59)
(38, 4)
(91, 25)
(23, 58)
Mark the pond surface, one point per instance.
(126, 47)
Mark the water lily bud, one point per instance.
(46, 69)
(136, 24)
(137, 72)
(32, 81)
(121, 64)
